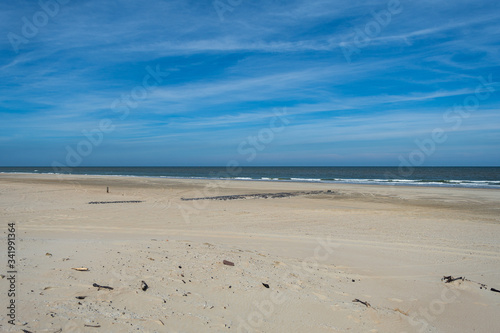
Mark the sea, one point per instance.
(476, 177)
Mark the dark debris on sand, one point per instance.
(260, 195)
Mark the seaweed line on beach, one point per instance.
(112, 202)
(260, 195)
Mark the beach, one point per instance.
(318, 257)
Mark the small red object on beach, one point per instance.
(229, 263)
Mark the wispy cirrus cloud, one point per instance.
(226, 77)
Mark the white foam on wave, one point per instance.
(306, 179)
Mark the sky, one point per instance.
(262, 83)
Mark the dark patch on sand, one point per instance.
(260, 195)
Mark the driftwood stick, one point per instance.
(81, 269)
(101, 287)
(362, 302)
(448, 279)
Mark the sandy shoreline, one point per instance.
(388, 246)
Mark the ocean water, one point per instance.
(479, 177)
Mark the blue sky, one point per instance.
(359, 83)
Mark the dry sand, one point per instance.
(388, 246)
